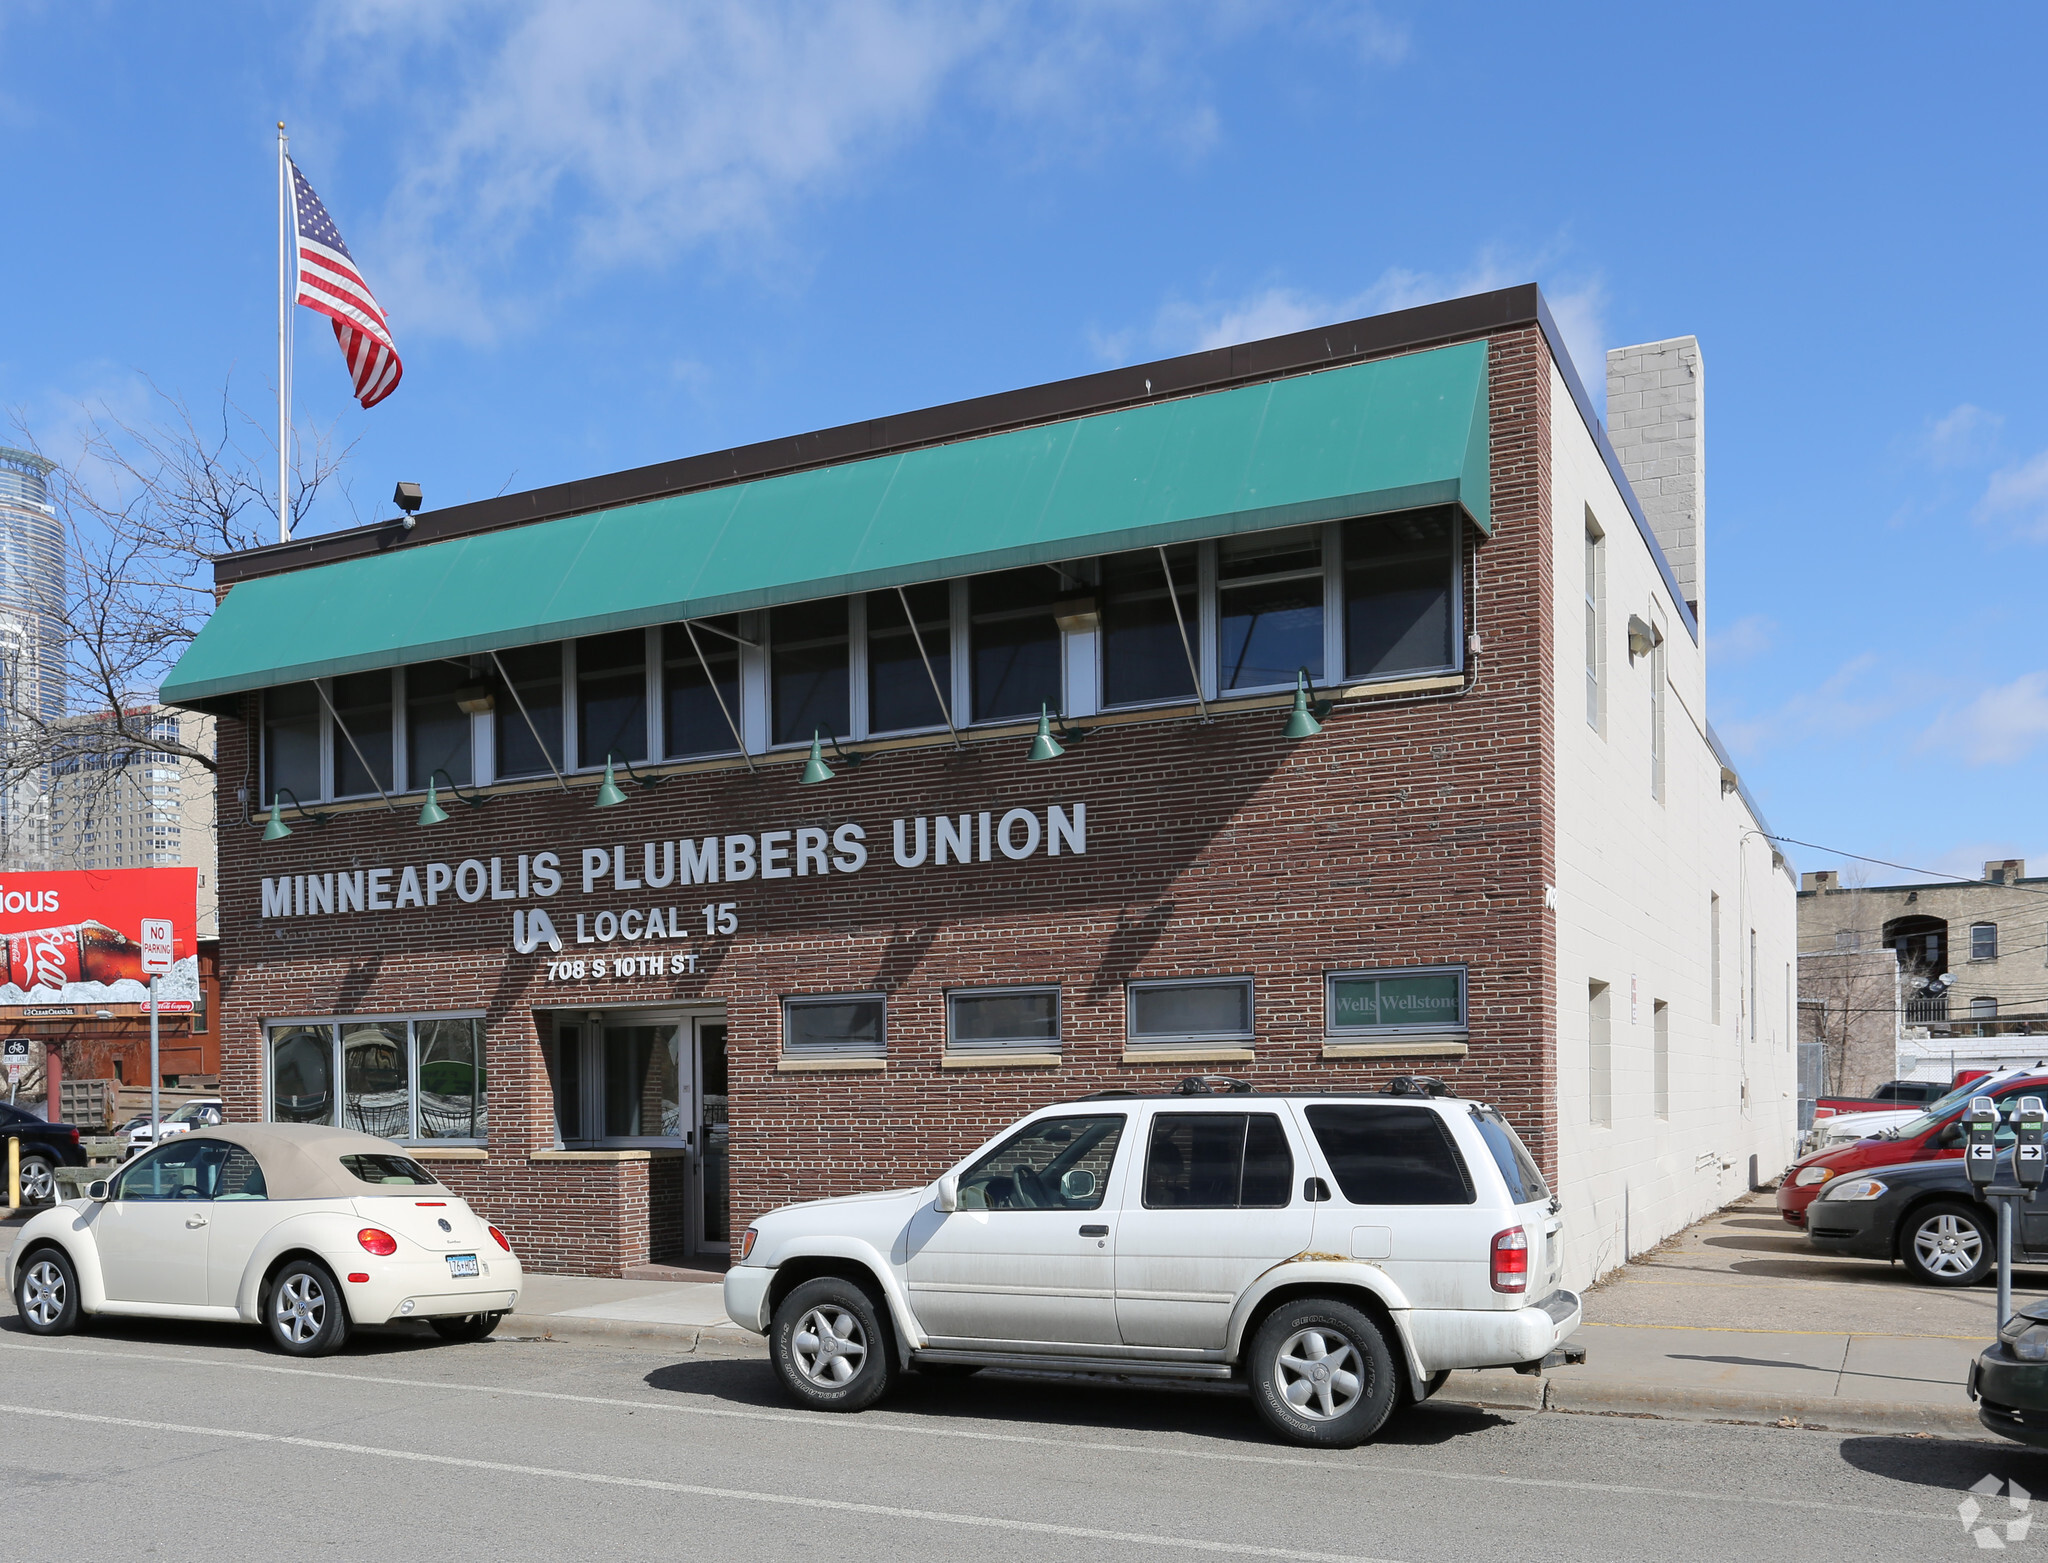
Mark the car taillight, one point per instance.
(747, 1243)
(1511, 1260)
(380, 1243)
(74, 1136)
(499, 1238)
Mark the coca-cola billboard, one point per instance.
(74, 936)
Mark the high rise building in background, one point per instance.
(32, 582)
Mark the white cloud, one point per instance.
(2004, 723)
(1963, 436)
(1749, 636)
(1860, 694)
(2018, 496)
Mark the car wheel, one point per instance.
(470, 1327)
(1949, 1243)
(830, 1346)
(1321, 1374)
(46, 1293)
(304, 1311)
(38, 1181)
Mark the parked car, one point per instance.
(199, 1113)
(2009, 1378)
(1889, 1097)
(1928, 1216)
(1340, 1254)
(303, 1229)
(1935, 1134)
(44, 1148)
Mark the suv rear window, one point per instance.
(1391, 1155)
(1517, 1168)
(401, 1170)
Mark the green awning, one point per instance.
(1374, 437)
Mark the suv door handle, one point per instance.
(1095, 1231)
(195, 1221)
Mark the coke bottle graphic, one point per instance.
(107, 955)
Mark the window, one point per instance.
(528, 719)
(642, 1082)
(1218, 1161)
(402, 1078)
(1189, 1014)
(1144, 658)
(1015, 642)
(1983, 1009)
(1600, 1053)
(437, 737)
(291, 742)
(1983, 941)
(808, 671)
(1269, 604)
(1400, 584)
(362, 705)
(1714, 957)
(1752, 985)
(834, 1027)
(1657, 701)
(1660, 1057)
(1391, 1155)
(240, 1177)
(1423, 998)
(388, 1171)
(1003, 1020)
(901, 692)
(1052, 1164)
(611, 698)
(1518, 1168)
(700, 688)
(185, 1169)
(1594, 562)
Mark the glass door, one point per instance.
(712, 1195)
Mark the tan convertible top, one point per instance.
(303, 1160)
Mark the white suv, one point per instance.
(1341, 1253)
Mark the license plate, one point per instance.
(460, 1265)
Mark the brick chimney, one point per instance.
(1821, 880)
(2003, 871)
(1656, 421)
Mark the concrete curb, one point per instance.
(688, 1337)
(1561, 1392)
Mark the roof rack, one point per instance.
(1206, 1085)
(1416, 1085)
(1096, 1096)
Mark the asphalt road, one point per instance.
(145, 1441)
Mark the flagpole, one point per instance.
(284, 341)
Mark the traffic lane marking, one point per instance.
(693, 1490)
(872, 1421)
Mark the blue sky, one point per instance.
(614, 233)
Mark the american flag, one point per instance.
(330, 283)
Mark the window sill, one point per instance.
(1413, 1047)
(1188, 1055)
(636, 1153)
(448, 1153)
(807, 1066)
(999, 1061)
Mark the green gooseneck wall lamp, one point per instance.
(431, 812)
(1306, 719)
(1044, 746)
(277, 829)
(608, 791)
(815, 768)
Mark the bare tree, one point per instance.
(140, 511)
(1848, 987)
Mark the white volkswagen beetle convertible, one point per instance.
(302, 1229)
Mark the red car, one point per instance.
(1936, 1135)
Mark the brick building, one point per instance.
(815, 807)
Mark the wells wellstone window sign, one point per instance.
(923, 843)
(1415, 998)
(71, 941)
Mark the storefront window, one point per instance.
(362, 703)
(700, 708)
(808, 668)
(1269, 602)
(436, 728)
(1413, 998)
(1190, 1014)
(1016, 642)
(1003, 1020)
(611, 698)
(833, 1027)
(533, 705)
(1399, 577)
(1143, 656)
(642, 1089)
(401, 1079)
(291, 742)
(900, 689)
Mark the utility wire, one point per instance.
(1908, 868)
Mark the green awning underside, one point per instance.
(1370, 438)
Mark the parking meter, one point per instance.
(2030, 1157)
(1980, 1143)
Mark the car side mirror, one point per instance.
(948, 1198)
(1077, 1183)
(97, 1191)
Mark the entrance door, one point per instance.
(711, 1196)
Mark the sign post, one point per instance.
(17, 1061)
(156, 960)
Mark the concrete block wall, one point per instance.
(1656, 422)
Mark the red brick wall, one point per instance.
(1412, 830)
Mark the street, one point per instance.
(174, 1442)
